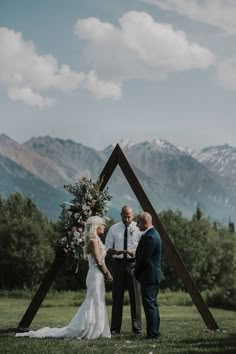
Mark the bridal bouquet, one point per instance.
(88, 201)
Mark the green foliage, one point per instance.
(177, 227)
(25, 243)
(219, 297)
(209, 254)
(28, 241)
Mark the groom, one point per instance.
(148, 272)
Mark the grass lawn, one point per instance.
(182, 330)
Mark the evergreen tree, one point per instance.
(25, 243)
(199, 213)
(231, 226)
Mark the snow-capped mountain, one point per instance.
(182, 179)
(171, 177)
(220, 159)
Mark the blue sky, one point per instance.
(99, 71)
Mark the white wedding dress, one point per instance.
(91, 319)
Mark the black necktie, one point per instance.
(125, 241)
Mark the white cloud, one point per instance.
(140, 49)
(26, 75)
(219, 13)
(26, 95)
(226, 73)
(102, 89)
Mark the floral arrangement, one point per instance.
(88, 201)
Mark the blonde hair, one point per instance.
(90, 230)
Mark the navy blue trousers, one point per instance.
(149, 298)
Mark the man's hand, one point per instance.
(131, 253)
(116, 251)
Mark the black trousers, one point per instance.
(149, 298)
(124, 278)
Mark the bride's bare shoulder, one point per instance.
(92, 244)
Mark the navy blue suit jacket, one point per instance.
(148, 258)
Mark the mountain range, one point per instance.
(172, 177)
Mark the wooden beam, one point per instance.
(41, 293)
(110, 166)
(169, 247)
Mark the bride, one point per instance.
(91, 320)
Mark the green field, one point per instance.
(182, 328)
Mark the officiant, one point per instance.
(121, 242)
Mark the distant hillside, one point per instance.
(72, 158)
(183, 181)
(221, 160)
(14, 178)
(39, 165)
(172, 178)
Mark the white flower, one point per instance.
(132, 229)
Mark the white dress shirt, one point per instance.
(115, 238)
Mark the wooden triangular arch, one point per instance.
(118, 158)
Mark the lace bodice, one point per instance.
(102, 248)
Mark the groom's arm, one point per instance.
(144, 255)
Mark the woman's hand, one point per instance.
(108, 277)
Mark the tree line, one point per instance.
(28, 242)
